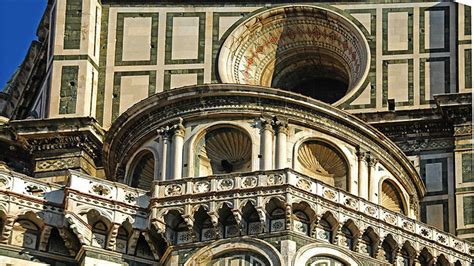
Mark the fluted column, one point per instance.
(363, 175)
(373, 184)
(164, 132)
(282, 139)
(178, 143)
(267, 142)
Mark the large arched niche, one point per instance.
(322, 161)
(306, 49)
(245, 248)
(223, 149)
(391, 197)
(142, 170)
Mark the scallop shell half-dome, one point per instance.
(321, 161)
(391, 198)
(228, 150)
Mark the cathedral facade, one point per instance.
(232, 133)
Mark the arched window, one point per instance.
(391, 197)
(425, 257)
(326, 227)
(56, 243)
(25, 234)
(176, 229)
(323, 162)
(277, 220)
(143, 249)
(300, 222)
(252, 219)
(231, 258)
(349, 234)
(228, 222)
(122, 240)
(369, 242)
(143, 171)
(223, 150)
(389, 247)
(99, 234)
(324, 261)
(203, 225)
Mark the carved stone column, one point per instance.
(373, 182)
(267, 144)
(178, 143)
(363, 175)
(164, 132)
(282, 139)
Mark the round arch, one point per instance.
(243, 244)
(387, 193)
(330, 145)
(197, 136)
(309, 251)
(142, 169)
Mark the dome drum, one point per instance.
(249, 128)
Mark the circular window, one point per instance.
(305, 49)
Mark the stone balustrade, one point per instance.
(108, 190)
(316, 193)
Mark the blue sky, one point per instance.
(19, 20)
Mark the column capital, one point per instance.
(360, 155)
(280, 124)
(266, 122)
(173, 128)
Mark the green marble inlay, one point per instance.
(468, 206)
(444, 175)
(385, 26)
(169, 38)
(385, 87)
(371, 38)
(76, 57)
(119, 37)
(216, 41)
(467, 174)
(117, 87)
(72, 28)
(445, 216)
(423, 11)
(468, 68)
(467, 20)
(68, 94)
(102, 65)
(168, 73)
(423, 97)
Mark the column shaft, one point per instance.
(178, 142)
(267, 146)
(164, 156)
(281, 147)
(363, 176)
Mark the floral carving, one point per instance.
(370, 210)
(329, 194)
(226, 184)
(100, 190)
(35, 190)
(202, 187)
(5, 182)
(303, 184)
(275, 180)
(249, 182)
(390, 218)
(131, 197)
(173, 190)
